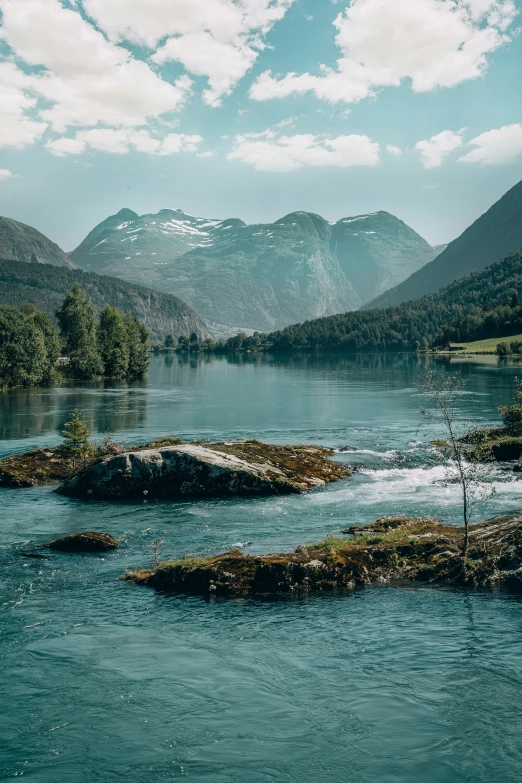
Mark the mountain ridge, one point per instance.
(257, 276)
(36, 270)
(495, 234)
(20, 242)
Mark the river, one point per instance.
(103, 681)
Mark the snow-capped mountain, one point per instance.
(262, 276)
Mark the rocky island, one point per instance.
(391, 550)
(172, 469)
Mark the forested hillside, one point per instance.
(45, 286)
(455, 312)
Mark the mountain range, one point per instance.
(494, 235)
(35, 270)
(262, 276)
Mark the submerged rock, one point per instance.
(84, 542)
(390, 550)
(193, 470)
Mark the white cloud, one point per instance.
(269, 151)
(218, 39)
(434, 150)
(65, 146)
(203, 55)
(61, 71)
(120, 141)
(496, 147)
(435, 43)
(180, 142)
(17, 128)
(86, 80)
(206, 154)
(5, 174)
(396, 151)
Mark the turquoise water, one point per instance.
(103, 681)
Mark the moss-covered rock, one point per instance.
(390, 550)
(488, 445)
(84, 542)
(157, 470)
(40, 466)
(197, 470)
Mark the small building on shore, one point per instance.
(453, 347)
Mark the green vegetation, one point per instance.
(512, 414)
(29, 348)
(491, 344)
(76, 443)
(389, 550)
(139, 347)
(484, 304)
(46, 285)
(500, 444)
(117, 346)
(77, 321)
(113, 342)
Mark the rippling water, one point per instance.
(103, 681)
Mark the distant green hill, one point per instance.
(45, 286)
(482, 304)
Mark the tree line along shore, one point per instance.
(83, 346)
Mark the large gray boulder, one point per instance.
(204, 470)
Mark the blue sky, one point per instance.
(256, 108)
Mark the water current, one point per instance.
(102, 681)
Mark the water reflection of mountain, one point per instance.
(109, 407)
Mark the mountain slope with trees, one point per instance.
(486, 300)
(45, 286)
(494, 235)
(259, 276)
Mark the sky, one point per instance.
(257, 108)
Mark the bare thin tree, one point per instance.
(443, 393)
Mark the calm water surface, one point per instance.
(102, 681)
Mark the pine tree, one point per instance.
(76, 439)
(113, 340)
(139, 347)
(77, 322)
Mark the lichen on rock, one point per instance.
(192, 470)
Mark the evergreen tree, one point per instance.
(139, 347)
(76, 439)
(77, 322)
(113, 341)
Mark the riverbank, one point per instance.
(391, 550)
